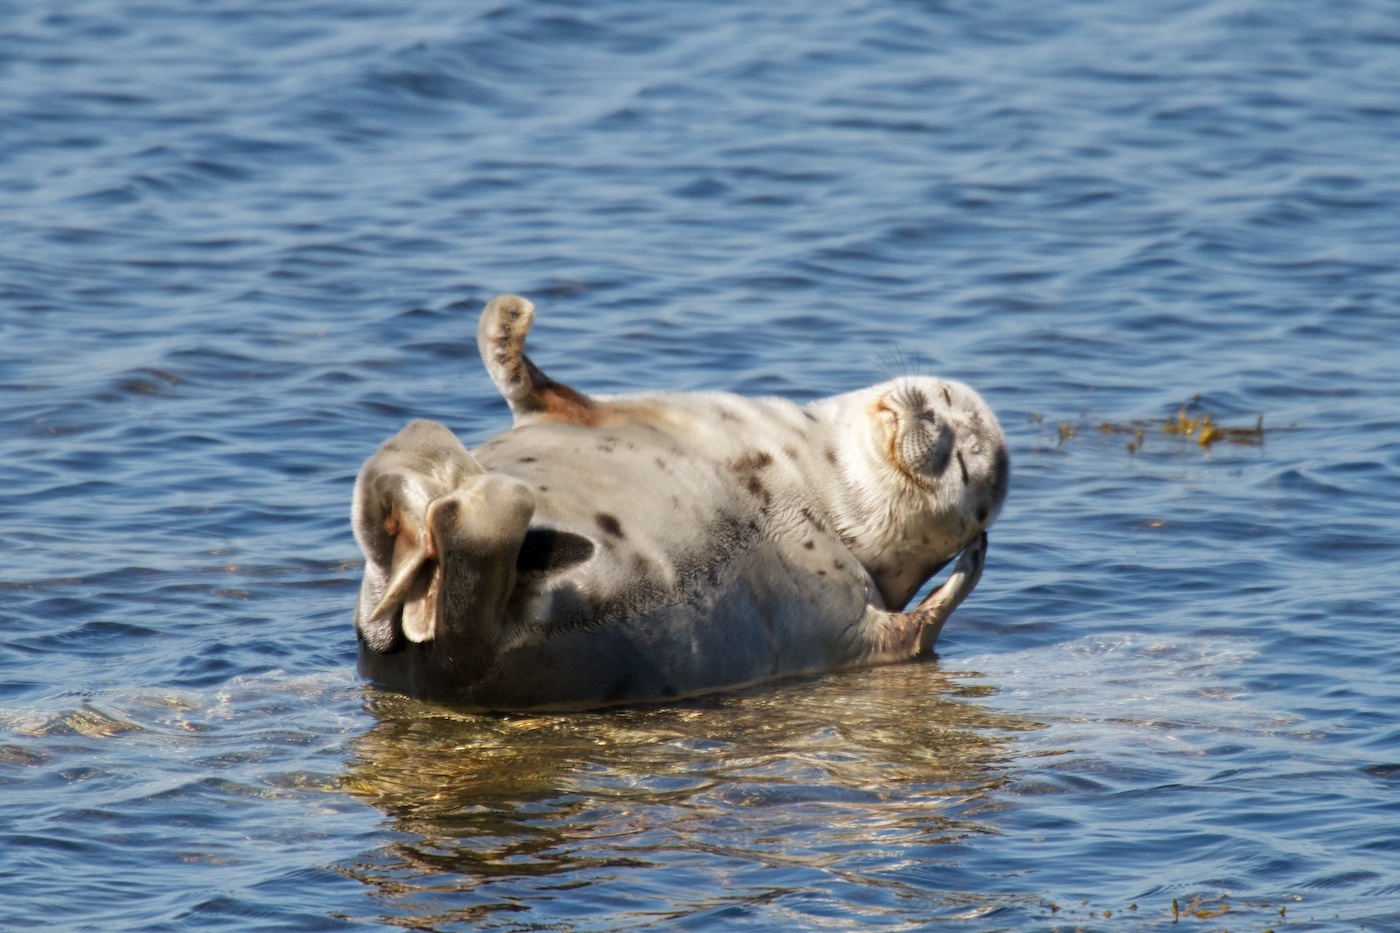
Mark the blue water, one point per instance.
(242, 243)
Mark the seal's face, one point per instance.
(945, 440)
(925, 468)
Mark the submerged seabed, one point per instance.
(243, 243)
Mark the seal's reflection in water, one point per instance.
(826, 794)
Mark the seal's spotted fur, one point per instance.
(608, 549)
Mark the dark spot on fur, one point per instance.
(752, 462)
(809, 545)
(606, 448)
(527, 460)
(726, 415)
(447, 512)
(747, 467)
(981, 514)
(947, 396)
(791, 453)
(810, 416)
(609, 524)
(543, 488)
(962, 465)
(838, 565)
(549, 550)
(724, 535)
(821, 573)
(660, 463)
(758, 490)
(830, 455)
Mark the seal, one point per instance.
(614, 549)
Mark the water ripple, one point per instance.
(246, 243)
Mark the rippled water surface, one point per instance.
(242, 243)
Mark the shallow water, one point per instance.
(243, 243)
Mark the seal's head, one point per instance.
(923, 470)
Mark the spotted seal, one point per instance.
(642, 547)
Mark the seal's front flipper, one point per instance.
(531, 395)
(894, 636)
(939, 604)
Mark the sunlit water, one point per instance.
(242, 243)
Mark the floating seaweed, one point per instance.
(1197, 907)
(1207, 431)
(1066, 432)
(1201, 426)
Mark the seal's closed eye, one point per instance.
(549, 550)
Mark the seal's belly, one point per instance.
(705, 571)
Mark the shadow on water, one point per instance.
(787, 801)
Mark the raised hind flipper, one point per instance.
(531, 394)
(894, 636)
(440, 537)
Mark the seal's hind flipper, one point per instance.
(441, 538)
(409, 595)
(531, 394)
(393, 493)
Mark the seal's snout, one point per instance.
(919, 438)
